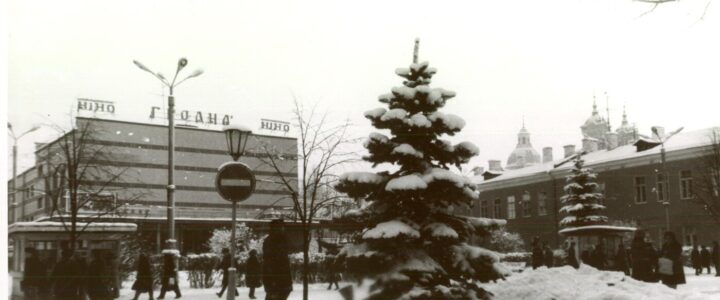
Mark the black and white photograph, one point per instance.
(348, 150)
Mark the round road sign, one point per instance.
(235, 181)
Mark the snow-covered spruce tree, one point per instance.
(411, 243)
(580, 199)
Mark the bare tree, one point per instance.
(79, 183)
(706, 190)
(321, 149)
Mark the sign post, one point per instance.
(235, 182)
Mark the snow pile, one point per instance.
(375, 113)
(419, 120)
(395, 113)
(391, 229)
(362, 177)
(450, 121)
(441, 230)
(567, 283)
(406, 149)
(404, 183)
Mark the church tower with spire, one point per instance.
(524, 154)
(627, 133)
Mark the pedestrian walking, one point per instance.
(66, 277)
(621, 259)
(143, 278)
(333, 272)
(277, 279)
(99, 281)
(548, 256)
(696, 260)
(225, 264)
(253, 273)
(169, 280)
(32, 276)
(671, 269)
(705, 259)
(716, 257)
(537, 253)
(643, 257)
(572, 256)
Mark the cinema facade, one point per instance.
(141, 151)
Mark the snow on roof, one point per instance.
(681, 141)
(58, 227)
(595, 229)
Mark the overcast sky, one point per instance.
(543, 60)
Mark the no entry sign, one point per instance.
(235, 181)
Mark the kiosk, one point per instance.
(49, 238)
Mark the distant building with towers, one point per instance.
(524, 154)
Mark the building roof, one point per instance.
(679, 142)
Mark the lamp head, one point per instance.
(236, 137)
(182, 62)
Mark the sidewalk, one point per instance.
(316, 292)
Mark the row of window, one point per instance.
(525, 208)
(660, 189)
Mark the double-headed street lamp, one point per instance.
(665, 192)
(13, 188)
(235, 182)
(182, 62)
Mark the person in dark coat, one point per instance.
(276, 264)
(548, 256)
(672, 250)
(253, 272)
(572, 256)
(621, 259)
(143, 278)
(705, 259)
(537, 253)
(643, 258)
(224, 266)
(598, 257)
(333, 272)
(716, 257)
(99, 280)
(66, 281)
(33, 275)
(696, 260)
(169, 276)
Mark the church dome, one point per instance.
(524, 154)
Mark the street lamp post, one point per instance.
(182, 62)
(236, 137)
(666, 187)
(11, 208)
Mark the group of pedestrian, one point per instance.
(541, 255)
(650, 265)
(701, 258)
(69, 279)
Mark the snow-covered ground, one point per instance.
(588, 283)
(556, 283)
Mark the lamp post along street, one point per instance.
(11, 207)
(235, 182)
(182, 62)
(666, 186)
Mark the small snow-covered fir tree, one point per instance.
(411, 243)
(581, 202)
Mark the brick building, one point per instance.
(630, 175)
(140, 150)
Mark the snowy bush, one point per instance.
(201, 268)
(220, 239)
(502, 241)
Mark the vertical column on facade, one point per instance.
(158, 238)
